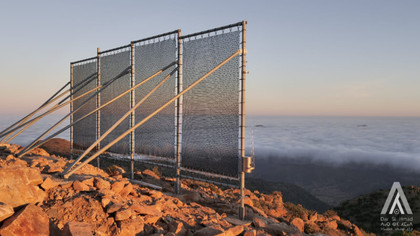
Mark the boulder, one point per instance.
(123, 214)
(209, 230)
(250, 233)
(145, 210)
(176, 227)
(150, 173)
(79, 186)
(88, 182)
(48, 184)
(5, 211)
(126, 190)
(57, 146)
(236, 230)
(38, 152)
(30, 220)
(114, 207)
(102, 184)
(332, 224)
(282, 228)
(259, 222)
(18, 186)
(115, 170)
(117, 187)
(298, 222)
(313, 217)
(235, 221)
(52, 168)
(74, 228)
(131, 227)
(151, 219)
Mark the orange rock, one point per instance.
(236, 230)
(145, 210)
(247, 201)
(101, 184)
(282, 229)
(313, 217)
(150, 173)
(126, 190)
(259, 222)
(149, 219)
(52, 168)
(30, 220)
(298, 222)
(117, 186)
(131, 227)
(5, 211)
(209, 230)
(332, 224)
(250, 233)
(17, 186)
(88, 182)
(113, 208)
(38, 152)
(48, 184)
(236, 221)
(123, 214)
(74, 228)
(357, 231)
(57, 146)
(105, 202)
(79, 186)
(176, 227)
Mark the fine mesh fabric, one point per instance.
(156, 136)
(84, 132)
(111, 67)
(210, 126)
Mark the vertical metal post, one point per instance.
(98, 104)
(132, 95)
(71, 110)
(178, 119)
(243, 73)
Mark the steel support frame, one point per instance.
(132, 104)
(242, 115)
(71, 111)
(178, 118)
(98, 103)
(69, 171)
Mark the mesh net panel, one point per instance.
(111, 67)
(210, 110)
(156, 136)
(84, 132)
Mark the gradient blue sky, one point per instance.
(358, 58)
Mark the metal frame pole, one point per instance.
(68, 172)
(71, 110)
(98, 103)
(178, 119)
(243, 73)
(132, 95)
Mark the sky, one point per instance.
(305, 58)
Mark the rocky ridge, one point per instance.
(35, 201)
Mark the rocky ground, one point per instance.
(34, 200)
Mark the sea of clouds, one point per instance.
(338, 140)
